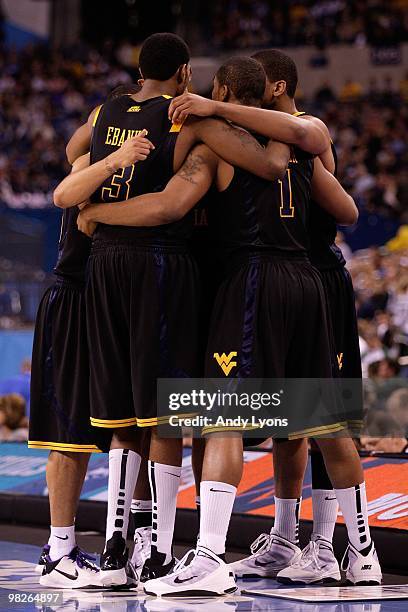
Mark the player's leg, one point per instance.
(124, 464)
(324, 500)
(168, 323)
(112, 406)
(290, 461)
(141, 510)
(65, 476)
(313, 361)
(346, 474)
(341, 319)
(164, 469)
(207, 571)
(197, 459)
(60, 423)
(272, 551)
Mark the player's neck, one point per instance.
(286, 105)
(154, 89)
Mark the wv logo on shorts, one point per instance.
(133, 109)
(225, 361)
(340, 360)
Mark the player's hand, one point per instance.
(133, 150)
(84, 221)
(190, 104)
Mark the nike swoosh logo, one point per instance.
(220, 491)
(59, 537)
(330, 498)
(178, 581)
(170, 474)
(69, 576)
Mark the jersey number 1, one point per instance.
(119, 186)
(286, 208)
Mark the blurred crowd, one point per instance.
(246, 24)
(380, 278)
(370, 131)
(21, 287)
(43, 98)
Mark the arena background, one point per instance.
(59, 60)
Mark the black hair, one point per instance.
(161, 56)
(123, 90)
(245, 77)
(279, 67)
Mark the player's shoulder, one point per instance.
(321, 124)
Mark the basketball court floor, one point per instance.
(19, 551)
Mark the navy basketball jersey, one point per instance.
(118, 120)
(73, 249)
(267, 215)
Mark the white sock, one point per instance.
(216, 503)
(164, 483)
(62, 541)
(141, 505)
(197, 501)
(141, 510)
(286, 523)
(124, 467)
(325, 508)
(353, 505)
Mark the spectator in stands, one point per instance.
(13, 422)
(19, 384)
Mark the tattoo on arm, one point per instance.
(191, 167)
(245, 138)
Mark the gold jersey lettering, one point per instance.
(116, 136)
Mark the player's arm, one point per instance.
(307, 135)
(235, 146)
(80, 141)
(330, 195)
(79, 186)
(180, 195)
(326, 156)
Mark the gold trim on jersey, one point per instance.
(61, 446)
(166, 97)
(149, 422)
(113, 423)
(98, 110)
(318, 431)
(176, 127)
(298, 113)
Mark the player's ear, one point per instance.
(279, 88)
(224, 93)
(184, 75)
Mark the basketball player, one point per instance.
(349, 484)
(246, 219)
(59, 419)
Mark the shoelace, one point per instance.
(309, 556)
(261, 542)
(84, 559)
(182, 563)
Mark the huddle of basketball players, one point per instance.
(130, 305)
